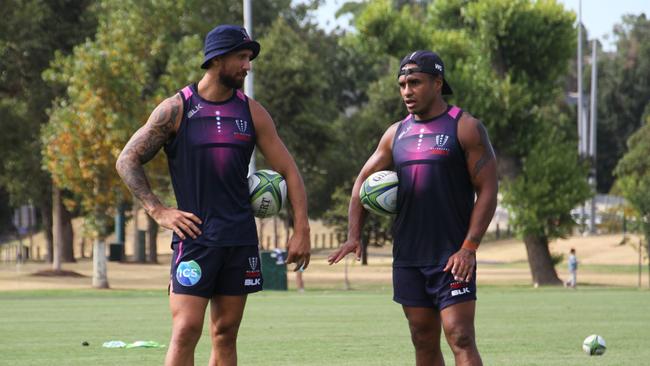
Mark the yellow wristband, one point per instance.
(470, 245)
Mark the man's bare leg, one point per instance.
(226, 313)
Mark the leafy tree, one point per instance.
(107, 81)
(540, 198)
(306, 79)
(292, 84)
(624, 93)
(376, 228)
(5, 213)
(528, 46)
(30, 33)
(359, 133)
(633, 176)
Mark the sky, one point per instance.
(598, 16)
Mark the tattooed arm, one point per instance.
(140, 149)
(482, 168)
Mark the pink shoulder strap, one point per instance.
(241, 95)
(187, 92)
(453, 112)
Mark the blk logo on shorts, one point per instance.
(252, 282)
(188, 273)
(461, 291)
(459, 288)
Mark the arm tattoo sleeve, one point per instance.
(141, 148)
(487, 152)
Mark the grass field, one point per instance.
(515, 326)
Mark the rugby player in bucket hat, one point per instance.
(209, 131)
(227, 38)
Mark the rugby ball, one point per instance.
(268, 192)
(378, 193)
(594, 345)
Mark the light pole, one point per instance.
(592, 132)
(582, 127)
(248, 83)
(581, 133)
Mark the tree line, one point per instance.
(79, 77)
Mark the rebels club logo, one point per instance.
(253, 277)
(252, 261)
(441, 140)
(440, 148)
(242, 127)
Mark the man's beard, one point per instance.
(230, 81)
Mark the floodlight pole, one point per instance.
(593, 114)
(248, 83)
(579, 77)
(582, 143)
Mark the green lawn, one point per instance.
(515, 326)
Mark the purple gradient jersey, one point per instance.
(208, 161)
(435, 196)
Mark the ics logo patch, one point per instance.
(188, 273)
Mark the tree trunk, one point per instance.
(346, 278)
(275, 232)
(539, 259)
(46, 216)
(57, 229)
(100, 278)
(365, 238)
(152, 239)
(288, 224)
(67, 253)
(646, 227)
(135, 234)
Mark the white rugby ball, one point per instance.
(268, 192)
(594, 345)
(378, 193)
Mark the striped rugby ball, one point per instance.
(268, 192)
(379, 193)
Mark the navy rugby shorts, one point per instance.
(430, 287)
(207, 271)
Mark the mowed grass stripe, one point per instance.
(515, 326)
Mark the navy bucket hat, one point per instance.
(227, 38)
(429, 63)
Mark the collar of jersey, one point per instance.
(195, 90)
(449, 106)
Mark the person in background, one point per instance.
(573, 269)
